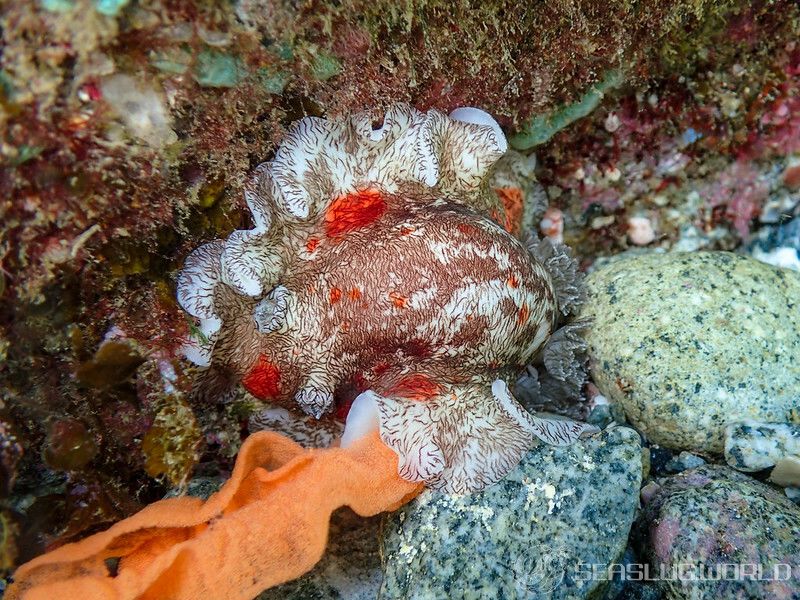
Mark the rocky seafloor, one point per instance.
(661, 141)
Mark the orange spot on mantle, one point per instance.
(354, 294)
(335, 295)
(513, 282)
(354, 211)
(312, 244)
(264, 379)
(523, 313)
(398, 300)
(415, 387)
(513, 202)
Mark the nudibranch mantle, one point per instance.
(377, 270)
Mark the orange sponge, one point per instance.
(267, 525)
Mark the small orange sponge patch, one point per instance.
(267, 525)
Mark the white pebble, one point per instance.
(552, 224)
(640, 231)
(141, 109)
(611, 123)
(613, 174)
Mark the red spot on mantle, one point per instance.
(343, 409)
(513, 281)
(791, 177)
(380, 368)
(311, 245)
(415, 387)
(335, 295)
(264, 380)
(354, 211)
(466, 229)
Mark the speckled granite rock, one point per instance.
(713, 516)
(778, 245)
(755, 446)
(524, 536)
(786, 472)
(682, 462)
(689, 342)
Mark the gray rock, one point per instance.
(532, 535)
(778, 245)
(716, 520)
(755, 446)
(685, 460)
(600, 416)
(350, 569)
(786, 472)
(198, 487)
(690, 342)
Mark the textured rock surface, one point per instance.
(350, 569)
(786, 472)
(778, 245)
(689, 343)
(756, 446)
(524, 536)
(713, 516)
(684, 461)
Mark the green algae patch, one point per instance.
(110, 8)
(542, 127)
(273, 81)
(113, 363)
(171, 445)
(217, 69)
(325, 66)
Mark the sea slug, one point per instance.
(378, 274)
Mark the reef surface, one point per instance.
(129, 128)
